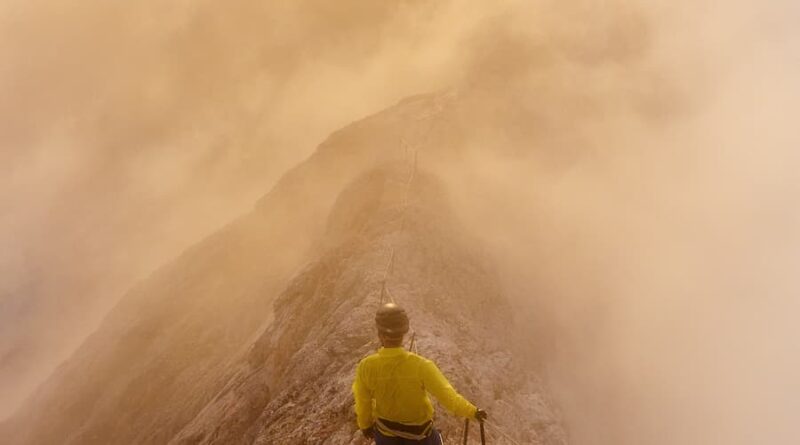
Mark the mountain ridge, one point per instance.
(193, 353)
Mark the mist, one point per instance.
(650, 226)
(629, 165)
(129, 132)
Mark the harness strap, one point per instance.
(410, 432)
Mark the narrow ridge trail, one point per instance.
(253, 334)
(294, 386)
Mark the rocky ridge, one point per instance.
(252, 335)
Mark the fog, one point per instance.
(128, 132)
(651, 226)
(630, 166)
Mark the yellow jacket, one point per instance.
(398, 382)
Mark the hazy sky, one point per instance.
(653, 226)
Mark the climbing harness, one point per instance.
(411, 432)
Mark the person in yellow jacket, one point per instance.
(391, 389)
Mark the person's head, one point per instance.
(392, 324)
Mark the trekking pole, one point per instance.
(483, 435)
(466, 430)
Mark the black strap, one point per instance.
(405, 430)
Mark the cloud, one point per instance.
(641, 205)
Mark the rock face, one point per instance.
(253, 335)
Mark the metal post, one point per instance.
(466, 431)
(483, 435)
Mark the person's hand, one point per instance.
(480, 415)
(368, 433)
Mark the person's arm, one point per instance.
(363, 398)
(436, 384)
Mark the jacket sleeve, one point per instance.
(363, 399)
(436, 384)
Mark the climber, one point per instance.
(398, 382)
